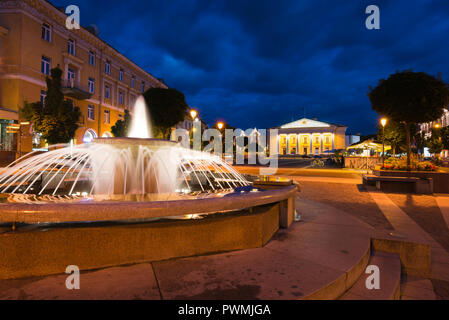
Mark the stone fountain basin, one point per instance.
(118, 210)
(125, 142)
(253, 219)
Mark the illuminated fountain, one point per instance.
(129, 200)
(120, 166)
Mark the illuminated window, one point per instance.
(71, 47)
(45, 65)
(70, 74)
(107, 67)
(46, 32)
(42, 98)
(91, 85)
(91, 58)
(120, 97)
(91, 112)
(106, 116)
(107, 91)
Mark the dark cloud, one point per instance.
(258, 63)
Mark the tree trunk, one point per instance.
(407, 141)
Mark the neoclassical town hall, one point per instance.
(307, 136)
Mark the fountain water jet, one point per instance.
(112, 166)
(141, 122)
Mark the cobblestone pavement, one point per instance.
(427, 215)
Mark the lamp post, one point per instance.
(193, 113)
(220, 125)
(383, 122)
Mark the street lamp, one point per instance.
(383, 122)
(193, 113)
(220, 125)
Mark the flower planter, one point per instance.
(440, 179)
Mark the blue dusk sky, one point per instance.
(259, 63)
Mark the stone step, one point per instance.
(414, 288)
(389, 266)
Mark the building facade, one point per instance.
(97, 78)
(426, 129)
(306, 136)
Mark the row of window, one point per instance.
(305, 140)
(71, 49)
(107, 70)
(45, 69)
(90, 109)
(106, 114)
(46, 66)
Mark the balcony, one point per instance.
(75, 89)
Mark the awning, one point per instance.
(369, 144)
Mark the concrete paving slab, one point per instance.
(417, 290)
(398, 218)
(127, 282)
(249, 274)
(389, 276)
(313, 211)
(443, 204)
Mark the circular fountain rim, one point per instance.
(133, 141)
(126, 210)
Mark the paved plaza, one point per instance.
(338, 217)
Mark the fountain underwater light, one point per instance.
(111, 166)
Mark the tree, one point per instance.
(444, 134)
(420, 142)
(410, 98)
(57, 120)
(167, 107)
(394, 136)
(435, 142)
(121, 127)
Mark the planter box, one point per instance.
(440, 179)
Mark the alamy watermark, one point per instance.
(73, 280)
(373, 20)
(238, 146)
(373, 280)
(73, 19)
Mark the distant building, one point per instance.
(351, 139)
(187, 125)
(426, 129)
(307, 136)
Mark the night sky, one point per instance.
(257, 63)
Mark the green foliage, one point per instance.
(58, 119)
(444, 134)
(410, 98)
(167, 108)
(394, 136)
(121, 127)
(435, 142)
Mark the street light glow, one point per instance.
(383, 122)
(193, 113)
(220, 125)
